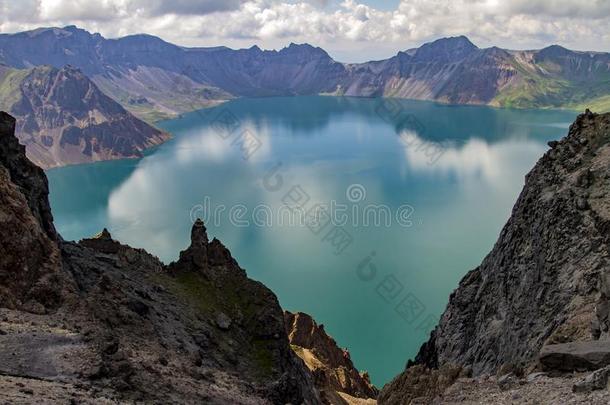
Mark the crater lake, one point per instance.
(364, 213)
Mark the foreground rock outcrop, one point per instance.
(544, 284)
(338, 381)
(100, 322)
(30, 260)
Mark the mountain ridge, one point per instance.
(155, 79)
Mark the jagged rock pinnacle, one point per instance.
(104, 235)
(197, 252)
(199, 235)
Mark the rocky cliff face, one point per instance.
(98, 321)
(63, 118)
(546, 280)
(30, 268)
(334, 373)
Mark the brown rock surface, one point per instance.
(332, 366)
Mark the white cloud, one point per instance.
(188, 7)
(594, 9)
(104, 10)
(475, 160)
(348, 27)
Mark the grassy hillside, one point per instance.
(556, 93)
(10, 82)
(548, 84)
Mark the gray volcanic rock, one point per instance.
(575, 356)
(541, 281)
(30, 270)
(598, 380)
(545, 281)
(103, 322)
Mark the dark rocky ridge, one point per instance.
(99, 321)
(27, 176)
(30, 268)
(545, 281)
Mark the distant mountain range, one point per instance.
(154, 79)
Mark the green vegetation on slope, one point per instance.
(544, 92)
(546, 85)
(10, 82)
(598, 105)
(200, 294)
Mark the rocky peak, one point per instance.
(69, 89)
(195, 257)
(445, 50)
(103, 242)
(210, 258)
(304, 51)
(199, 235)
(63, 118)
(305, 332)
(553, 51)
(104, 235)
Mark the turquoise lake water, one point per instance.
(364, 213)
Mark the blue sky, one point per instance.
(350, 30)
